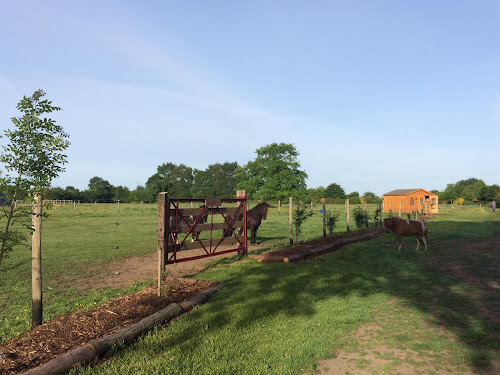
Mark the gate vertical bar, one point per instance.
(162, 236)
(242, 194)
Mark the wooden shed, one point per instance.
(410, 200)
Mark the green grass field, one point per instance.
(280, 318)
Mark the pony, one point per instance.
(401, 227)
(191, 219)
(254, 219)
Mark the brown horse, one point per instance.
(190, 220)
(254, 219)
(401, 227)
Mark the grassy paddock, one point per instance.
(78, 241)
(271, 318)
(280, 318)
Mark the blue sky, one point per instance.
(375, 95)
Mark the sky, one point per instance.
(375, 95)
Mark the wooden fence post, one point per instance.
(36, 264)
(381, 212)
(323, 206)
(290, 219)
(347, 210)
(118, 206)
(74, 205)
(95, 205)
(279, 206)
(141, 205)
(162, 237)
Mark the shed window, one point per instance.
(412, 200)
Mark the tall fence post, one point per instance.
(366, 213)
(162, 237)
(323, 206)
(347, 211)
(279, 206)
(36, 264)
(381, 212)
(290, 219)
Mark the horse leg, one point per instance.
(253, 236)
(424, 240)
(399, 242)
(418, 241)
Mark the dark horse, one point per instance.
(254, 218)
(190, 220)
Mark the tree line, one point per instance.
(275, 173)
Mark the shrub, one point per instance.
(359, 217)
(331, 221)
(300, 215)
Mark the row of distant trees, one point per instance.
(471, 189)
(274, 174)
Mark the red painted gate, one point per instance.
(212, 226)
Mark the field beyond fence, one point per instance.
(312, 306)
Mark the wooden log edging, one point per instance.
(265, 258)
(88, 352)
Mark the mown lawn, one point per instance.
(278, 318)
(77, 243)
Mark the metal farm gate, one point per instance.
(207, 227)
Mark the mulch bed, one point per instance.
(50, 340)
(306, 249)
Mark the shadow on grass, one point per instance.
(456, 284)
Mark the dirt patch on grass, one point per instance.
(50, 340)
(405, 340)
(123, 272)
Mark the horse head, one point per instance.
(264, 207)
(388, 224)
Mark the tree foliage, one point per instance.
(334, 191)
(274, 174)
(100, 190)
(217, 181)
(34, 153)
(471, 189)
(176, 180)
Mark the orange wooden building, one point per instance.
(410, 200)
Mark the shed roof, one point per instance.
(405, 191)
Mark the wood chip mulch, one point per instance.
(334, 242)
(50, 340)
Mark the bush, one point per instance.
(300, 215)
(359, 217)
(331, 221)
